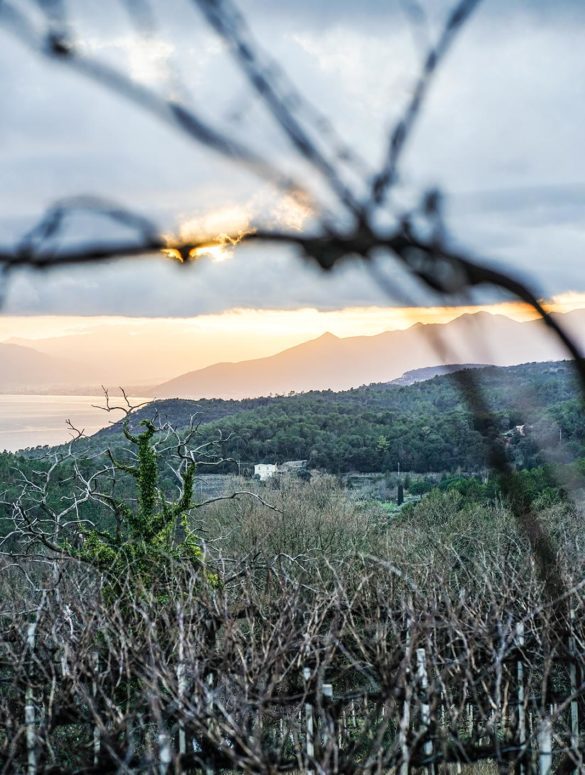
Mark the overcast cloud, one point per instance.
(501, 135)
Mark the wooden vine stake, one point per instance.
(309, 725)
(425, 708)
(29, 708)
(521, 714)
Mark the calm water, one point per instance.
(27, 421)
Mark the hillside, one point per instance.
(330, 362)
(425, 426)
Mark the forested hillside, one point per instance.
(426, 426)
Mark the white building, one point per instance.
(264, 471)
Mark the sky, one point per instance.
(500, 136)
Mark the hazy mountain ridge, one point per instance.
(329, 362)
(25, 369)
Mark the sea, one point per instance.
(32, 420)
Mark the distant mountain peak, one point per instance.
(327, 335)
(26, 369)
(333, 363)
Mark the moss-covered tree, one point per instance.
(152, 536)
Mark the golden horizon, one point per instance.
(238, 334)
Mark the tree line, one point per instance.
(423, 427)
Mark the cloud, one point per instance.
(146, 59)
(256, 277)
(501, 134)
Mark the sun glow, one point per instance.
(218, 249)
(212, 235)
(215, 234)
(127, 344)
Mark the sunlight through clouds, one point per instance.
(219, 231)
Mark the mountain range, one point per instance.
(329, 362)
(25, 369)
